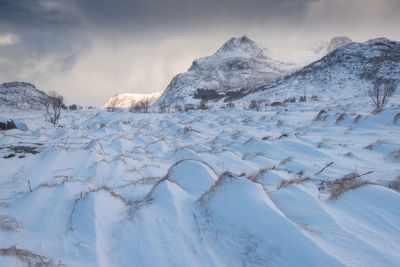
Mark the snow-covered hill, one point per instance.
(204, 188)
(347, 71)
(239, 63)
(21, 96)
(128, 100)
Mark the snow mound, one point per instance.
(193, 176)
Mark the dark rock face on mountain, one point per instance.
(239, 64)
(7, 125)
(347, 71)
(21, 96)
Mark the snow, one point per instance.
(203, 188)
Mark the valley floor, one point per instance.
(204, 188)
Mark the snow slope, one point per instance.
(222, 187)
(21, 95)
(129, 99)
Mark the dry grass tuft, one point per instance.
(346, 183)
(321, 115)
(9, 225)
(221, 179)
(341, 117)
(359, 116)
(394, 155)
(300, 180)
(395, 184)
(286, 160)
(254, 177)
(376, 143)
(28, 257)
(396, 117)
(283, 135)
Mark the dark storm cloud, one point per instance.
(120, 15)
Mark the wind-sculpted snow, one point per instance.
(204, 188)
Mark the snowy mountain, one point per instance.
(128, 100)
(239, 63)
(345, 72)
(21, 96)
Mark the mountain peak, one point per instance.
(241, 46)
(337, 42)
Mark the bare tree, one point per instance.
(132, 106)
(381, 92)
(141, 106)
(53, 104)
(112, 104)
(145, 105)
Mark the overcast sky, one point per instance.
(89, 50)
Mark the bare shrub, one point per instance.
(381, 92)
(112, 104)
(290, 100)
(230, 104)
(202, 105)
(255, 105)
(276, 104)
(53, 104)
(140, 106)
(285, 182)
(321, 115)
(303, 98)
(188, 107)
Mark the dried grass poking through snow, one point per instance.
(395, 184)
(341, 117)
(285, 182)
(346, 183)
(9, 225)
(396, 117)
(28, 257)
(320, 114)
